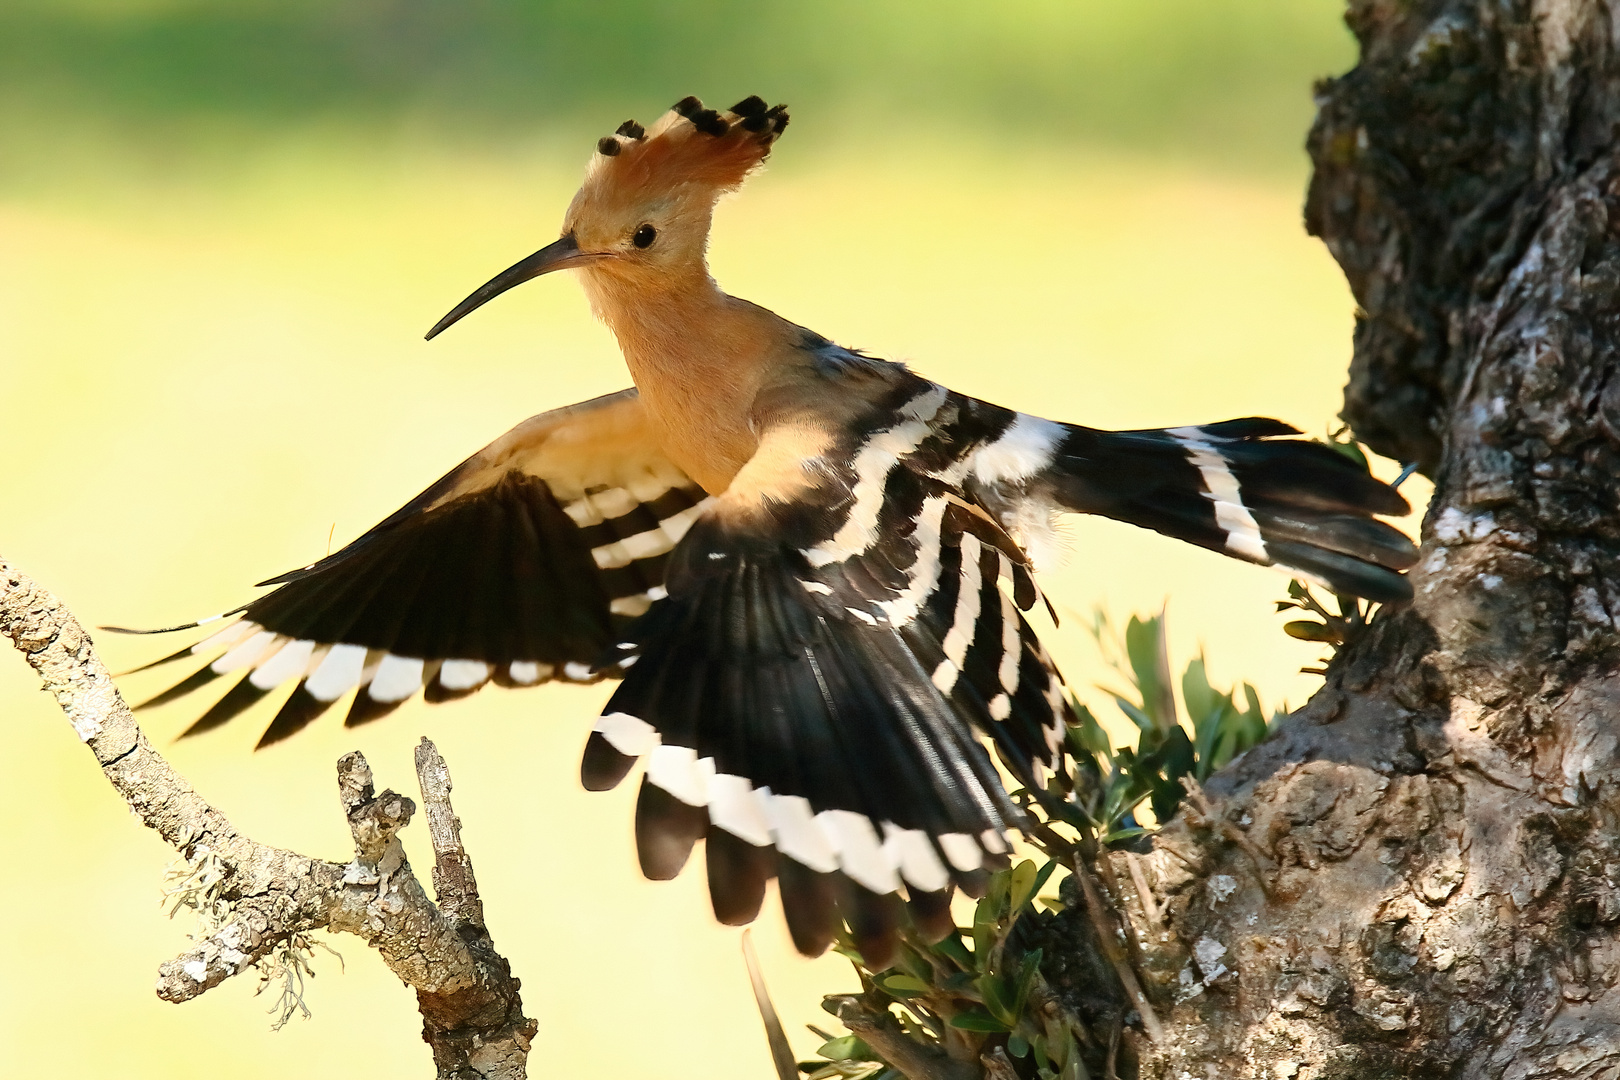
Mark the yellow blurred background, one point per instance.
(224, 228)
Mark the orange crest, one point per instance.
(690, 148)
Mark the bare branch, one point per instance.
(1111, 951)
(883, 1033)
(262, 898)
(1150, 906)
(996, 1065)
(453, 881)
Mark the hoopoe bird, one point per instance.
(807, 566)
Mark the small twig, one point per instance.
(997, 1066)
(1105, 867)
(1150, 906)
(884, 1034)
(1263, 864)
(921, 1017)
(1111, 951)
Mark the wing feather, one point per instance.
(517, 566)
(791, 696)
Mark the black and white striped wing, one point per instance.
(518, 566)
(1239, 487)
(811, 699)
(1243, 488)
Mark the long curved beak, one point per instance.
(558, 255)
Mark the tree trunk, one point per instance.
(1424, 874)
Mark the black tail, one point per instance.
(1236, 488)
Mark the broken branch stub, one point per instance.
(262, 899)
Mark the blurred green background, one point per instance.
(1224, 82)
(224, 228)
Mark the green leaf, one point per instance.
(1026, 982)
(951, 945)
(1022, 885)
(846, 1048)
(1045, 874)
(984, 943)
(850, 953)
(1148, 651)
(984, 911)
(1178, 759)
(1305, 630)
(1126, 790)
(1042, 1062)
(1053, 904)
(1135, 713)
(1210, 733)
(997, 999)
(1352, 450)
(1119, 836)
(996, 895)
(1017, 1045)
(1196, 694)
(911, 962)
(905, 986)
(1079, 815)
(1253, 700)
(977, 1020)
(1090, 747)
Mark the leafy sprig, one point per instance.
(976, 991)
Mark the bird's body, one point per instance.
(808, 566)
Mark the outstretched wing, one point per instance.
(812, 694)
(518, 566)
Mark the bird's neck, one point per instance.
(698, 358)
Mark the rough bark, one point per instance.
(1428, 883)
(259, 901)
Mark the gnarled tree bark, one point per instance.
(1437, 833)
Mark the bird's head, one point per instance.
(643, 213)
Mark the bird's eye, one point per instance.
(644, 236)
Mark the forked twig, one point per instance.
(264, 899)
